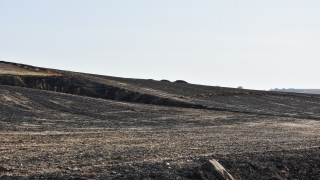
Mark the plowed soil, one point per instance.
(82, 126)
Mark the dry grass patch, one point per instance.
(24, 70)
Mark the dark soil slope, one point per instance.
(67, 125)
(166, 93)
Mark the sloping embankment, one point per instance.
(141, 91)
(76, 86)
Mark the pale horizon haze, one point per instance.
(254, 44)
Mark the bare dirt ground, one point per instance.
(23, 70)
(253, 134)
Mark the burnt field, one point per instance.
(67, 125)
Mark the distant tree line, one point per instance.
(286, 90)
(307, 91)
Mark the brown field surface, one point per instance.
(82, 126)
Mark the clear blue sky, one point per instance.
(255, 44)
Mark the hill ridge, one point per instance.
(139, 90)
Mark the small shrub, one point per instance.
(164, 80)
(180, 81)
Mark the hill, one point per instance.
(305, 91)
(68, 125)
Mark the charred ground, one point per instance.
(60, 124)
